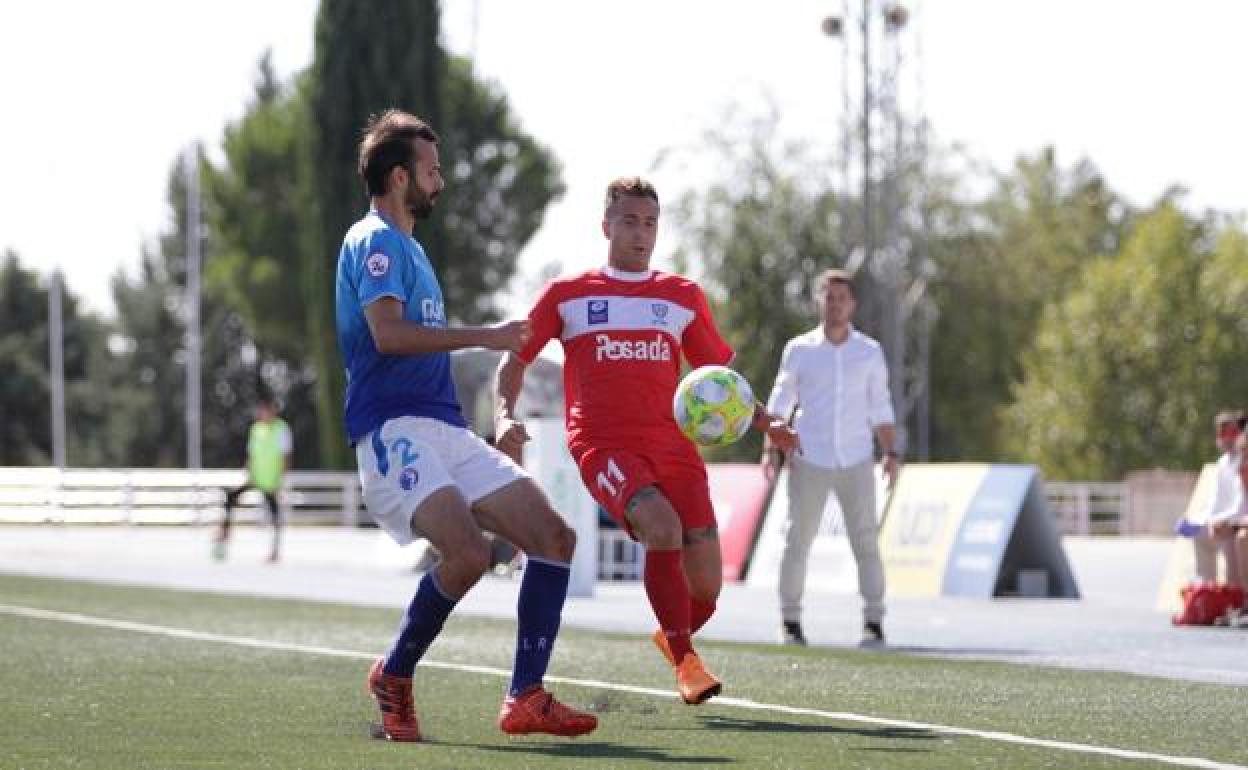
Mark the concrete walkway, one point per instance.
(1114, 627)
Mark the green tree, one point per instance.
(25, 395)
(1128, 368)
(255, 213)
(756, 238)
(499, 182)
(999, 262)
(1224, 286)
(499, 179)
(364, 63)
(24, 404)
(147, 424)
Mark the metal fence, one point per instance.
(1088, 507)
(167, 496)
(172, 496)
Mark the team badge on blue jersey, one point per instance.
(597, 311)
(377, 264)
(408, 478)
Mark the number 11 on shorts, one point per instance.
(612, 479)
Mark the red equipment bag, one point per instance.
(1204, 603)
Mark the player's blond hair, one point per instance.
(633, 186)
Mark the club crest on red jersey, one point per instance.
(597, 309)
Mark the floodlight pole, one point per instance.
(867, 106)
(193, 341)
(56, 366)
(890, 260)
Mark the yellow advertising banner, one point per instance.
(974, 530)
(921, 522)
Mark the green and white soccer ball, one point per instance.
(713, 406)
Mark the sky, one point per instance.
(99, 99)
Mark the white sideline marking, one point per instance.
(840, 716)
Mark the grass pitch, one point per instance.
(91, 696)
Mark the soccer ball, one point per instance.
(713, 406)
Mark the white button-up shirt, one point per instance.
(1227, 503)
(841, 392)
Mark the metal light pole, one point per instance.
(193, 347)
(834, 27)
(892, 286)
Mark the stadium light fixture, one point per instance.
(896, 17)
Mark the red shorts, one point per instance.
(613, 476)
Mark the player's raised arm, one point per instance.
(510, 434)
(395, 335)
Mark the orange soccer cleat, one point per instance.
(695, 683)
(537, 711)
(660, 641)
(394, 696)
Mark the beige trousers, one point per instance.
(808, 487)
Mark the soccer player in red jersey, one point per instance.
(623, 329)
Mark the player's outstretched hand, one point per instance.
(510, 335)
(783, 437)
(509, 437)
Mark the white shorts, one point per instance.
(409, 458)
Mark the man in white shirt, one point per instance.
(837, 380)
(1214, 530)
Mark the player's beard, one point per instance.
(418, 203)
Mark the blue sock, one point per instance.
(420, 626)
(538, 611)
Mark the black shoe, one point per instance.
(791, 633)
(872, 634)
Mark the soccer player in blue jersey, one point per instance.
(424, 473)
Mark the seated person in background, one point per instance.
(1238, 524)
(1212, 531)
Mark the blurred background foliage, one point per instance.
(1071, 329)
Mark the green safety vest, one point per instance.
(267, 445)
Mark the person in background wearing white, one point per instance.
(837, 379)
(1212, 531)
(1238, 524)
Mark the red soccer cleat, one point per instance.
(394, 696)
(537, 711)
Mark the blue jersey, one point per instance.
(378, 260)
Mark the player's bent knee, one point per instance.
(462, 567)
(658, 531)
(557, 541)
(565, 543)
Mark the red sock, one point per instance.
(700, 611)
(668, 590)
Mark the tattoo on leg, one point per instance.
(643, 494)
(701, 535)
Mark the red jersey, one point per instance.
(622, 341)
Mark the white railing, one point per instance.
(167, 496)
(174, 496)
(1088, 507)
